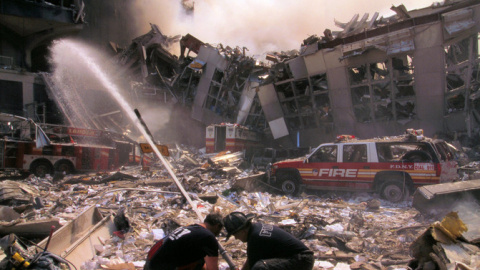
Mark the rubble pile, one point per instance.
(346, 231)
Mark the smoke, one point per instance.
(261, 26)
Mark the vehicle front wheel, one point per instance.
(41, 168)
(289, 184)
(394, 192)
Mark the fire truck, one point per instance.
(41, 149)
(231, 137)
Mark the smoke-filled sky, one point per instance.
(259, 25)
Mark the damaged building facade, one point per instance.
(27, 29)
(380, 76)
(376, 77)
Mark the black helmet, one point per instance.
(236, 221)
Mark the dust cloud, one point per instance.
(261, 26)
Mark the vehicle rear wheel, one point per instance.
(394, 191)
(41, 168)
(289, 184)
(64, 167)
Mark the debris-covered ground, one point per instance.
(345, 230)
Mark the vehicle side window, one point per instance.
(444, 151)
(384, 153)
(327, 153)
(355, 153)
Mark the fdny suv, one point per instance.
(390, 166)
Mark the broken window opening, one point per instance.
(305, 105)
(11, 97)
(377, 88)
(383, 110)
(284, 91)
(217, 76)
(211, 103)
(322, 105)
(309, 121)
(186, 85)
(214, 90)
(319, 83)
(458, 52)
(402, 65)
(363, 113)
(404, 88)
(290, 107)
(379, 71)
(358, 75)
(293, 123)
(455, 103)
(360, 95)
(256, 117)
(405, 110)
(455, 79)
(462, 78)
(381, 91)
(301, 87)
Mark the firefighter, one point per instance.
(188, 248)
(268, 246)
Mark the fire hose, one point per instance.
(150, 140)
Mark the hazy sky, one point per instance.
(260, 25)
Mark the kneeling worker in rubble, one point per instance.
(268, 246)
(188, 248)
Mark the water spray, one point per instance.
(142, 127)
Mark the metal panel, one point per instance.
(297, 67)
(315, 63)
(278, 127)
(246, 100)
(270, 103)
(458, 20)
(213, 61)
(75, 240)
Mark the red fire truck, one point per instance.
(42, 149)
(230, 137)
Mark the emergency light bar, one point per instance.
(416, 133)
(341, 138)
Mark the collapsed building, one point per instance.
(375, 77)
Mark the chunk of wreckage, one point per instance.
(439, 199)
(444, 245)
(17, 201)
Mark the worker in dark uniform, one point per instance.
(188, 248)
(268, 246)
